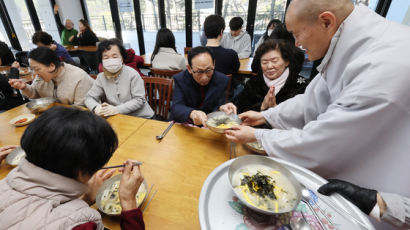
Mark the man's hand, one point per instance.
(55, 8)
(252, 118)
(15, 64)
(17, 84)
(365, 199)
(270, 99)
(71, 38)
(228, 108)
(4, 151)
(130, 183)
(241, 134)
(198, 117)
(95, 183)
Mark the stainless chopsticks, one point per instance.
(166, 131)
(119, 166)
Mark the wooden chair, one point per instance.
(163, 73)
(158, 92)
(187, 49)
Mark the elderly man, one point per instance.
(68, 32)
(199, 89)
(353, 122)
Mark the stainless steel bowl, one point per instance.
(16, 153)
(216, 118)
(244, 161)
(41, 104)
(251, 146)
(106, 185)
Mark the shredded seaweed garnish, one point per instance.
(260, 184)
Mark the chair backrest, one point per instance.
(163, 73)
(228, 87)
(158, 92)
(187, 49)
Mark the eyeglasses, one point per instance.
(203, 71)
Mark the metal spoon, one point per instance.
(299, 223)
(165, 132)
(306, 199)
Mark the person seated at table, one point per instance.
(391, 208)
(6, 56)
(277, 81)
(55, 184)
(44, 39)
(165, 54)
(199, 89)
(62, 81)
(238, 40)
(68, 32)
(86, 36)
(281, 33)
(132, 60)
(269, 29)
(119, 89)
(9, 97)
(226, 60)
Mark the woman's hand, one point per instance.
(198, 117)
(252, 118)
(241, 134)
(270, 99)
(95, 183)
(17, 84)
(228, 108)
(4, 151)
(131, 181)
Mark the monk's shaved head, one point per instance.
(309, 10)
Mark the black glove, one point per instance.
(365, 199)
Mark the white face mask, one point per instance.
(270, 32)
(112, 65)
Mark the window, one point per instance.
(3, 34)
(46, 17)
(199, 13)
(267, 10)
(150, 23)
(100, 18)
(370, 3)
(399, 11)
(175, 17)
(128, 24)
(20, 17)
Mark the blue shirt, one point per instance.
(63, 54)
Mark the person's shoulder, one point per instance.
(180, 76)
(74, 71)
(220, 77)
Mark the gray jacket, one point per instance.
(168, 59)
(241, 44)
(126, 92)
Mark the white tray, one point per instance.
(217, 203)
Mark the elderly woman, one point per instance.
(86, 36)
(119, 88)
(67, 83)
(54, 185)
(276, 82)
